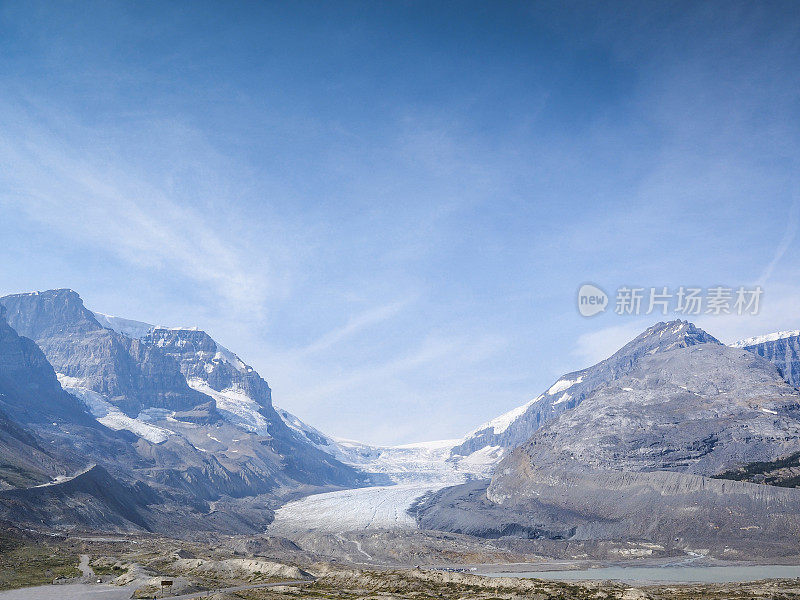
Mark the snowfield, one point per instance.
(235, 406)
(109, 415)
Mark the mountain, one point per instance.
(700, 409)
(131, 374)
(36, 417)
(514, 427)
(29, 390)
(641, 455)
(781, 348)
(23, 460)
(165, 408)
(31, 397)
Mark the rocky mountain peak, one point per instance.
(514, 427)
(667, 336)
(42, 314)
(29, 390)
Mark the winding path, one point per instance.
(85, 567)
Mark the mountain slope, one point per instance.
(781, 348)
(91, 498)
(204, 420)
(515, 427)
(23, 461)
(632, 460)
(131, 374)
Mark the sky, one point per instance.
(387, 208)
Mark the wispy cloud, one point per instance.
(356, 324)
(789, 235)
(59, 176)
(398, 386)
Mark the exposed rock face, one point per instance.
(783, 352)
(632, 460)
(131, 373)
(206, 365)
(200, 357)
(700, 409)
(514, 428)
(165, 432)
(29, 390)
(23, 462)
(244, 399)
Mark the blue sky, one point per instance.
(387, 207)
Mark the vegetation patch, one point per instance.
(783, 472)
(24, 564)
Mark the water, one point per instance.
(667, 574)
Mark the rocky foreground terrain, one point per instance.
(137, 565)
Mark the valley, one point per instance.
(171, 440)
(358, 300)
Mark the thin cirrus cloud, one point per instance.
(90, 199)
(786, 241)
(393, 383)
(356, 324)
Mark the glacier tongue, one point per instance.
(383, 507)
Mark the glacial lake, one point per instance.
(666, 574)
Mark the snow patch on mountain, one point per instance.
(129, 327)
(564, 398)
(235, 406)
(769, 337)
(563, 384)
(501, 423)
(225, 355)
(109, 415)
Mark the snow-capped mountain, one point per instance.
(516, 426)
(781, 348)
(202, 419)
(659, 450)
